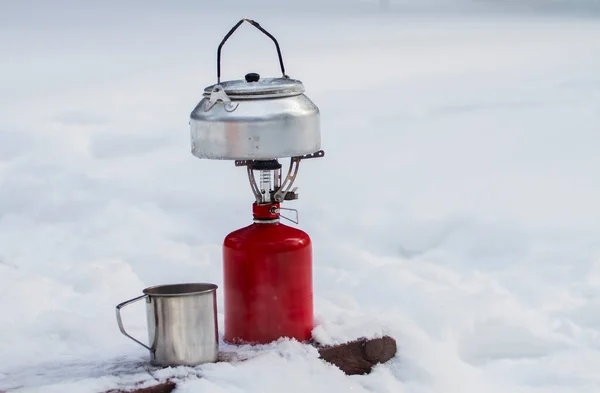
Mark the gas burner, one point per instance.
(271, 169)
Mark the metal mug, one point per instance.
(182, 323)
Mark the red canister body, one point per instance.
(267, 277)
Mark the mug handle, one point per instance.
(120, 321)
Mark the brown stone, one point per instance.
(359, 356)
(166, 387)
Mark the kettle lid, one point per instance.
(253, 87)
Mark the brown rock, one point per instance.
(359, 356)
(166, 387)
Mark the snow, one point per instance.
(456, 208)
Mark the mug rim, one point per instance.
(180, 289)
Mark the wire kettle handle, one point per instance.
(259, 27)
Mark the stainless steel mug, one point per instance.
(182, 323)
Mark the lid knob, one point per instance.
(252, 77)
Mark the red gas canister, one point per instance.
(267, 277)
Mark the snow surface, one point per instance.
(456, 209)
